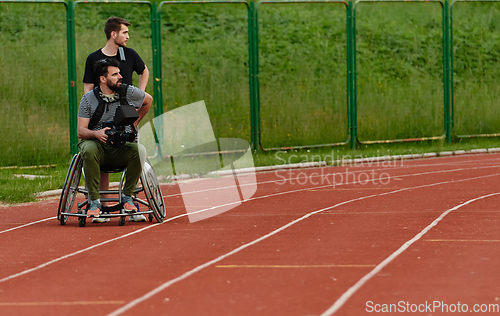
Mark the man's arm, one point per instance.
(83, 131)
(88, 76)
(87, 87)
(143, 79)
(146, 105)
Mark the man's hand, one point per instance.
(136, 125)
(83, 132)
(101, 135)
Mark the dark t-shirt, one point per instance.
(132, 63)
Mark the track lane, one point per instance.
(455, 262)
(220, 225)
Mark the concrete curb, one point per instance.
(338, 162)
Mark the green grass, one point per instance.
(18, 190)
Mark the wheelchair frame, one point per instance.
(71, 188)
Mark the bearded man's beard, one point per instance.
(115, 87)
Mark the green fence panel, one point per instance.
(476, 52)
(205, 56)
(33, 84)
(400, 93)
(302, 74)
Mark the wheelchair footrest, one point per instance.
(123, 214)
(114, 208)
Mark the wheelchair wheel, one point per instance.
(70, 188)
(153, 192)
(82, 221)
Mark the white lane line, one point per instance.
(43, 265)
(311, 176)
(329, 185)
(220, 258)
(350, 292)
(25, 225)
(64, 303)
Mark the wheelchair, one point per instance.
(154, 199)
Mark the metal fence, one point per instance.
(339, 101)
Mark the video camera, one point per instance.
(118, 135)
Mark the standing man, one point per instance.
(116, 30)
(117, 34)
(93, 146)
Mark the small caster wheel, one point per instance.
(82, 221)
(121, 221)
(62, 219)
(150, 216)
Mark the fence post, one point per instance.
(256, 76)
(252, 75)
(157, 62)
(72, 92)
(452, 85)
(348, 72)
(446, 71)
(351, 69)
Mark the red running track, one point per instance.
(417, 236)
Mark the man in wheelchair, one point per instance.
(108, 117)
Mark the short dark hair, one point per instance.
(114, 24)
(101, 67)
